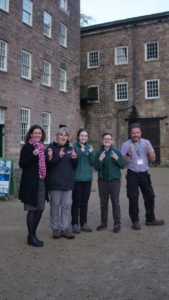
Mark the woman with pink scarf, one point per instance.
(32, 190)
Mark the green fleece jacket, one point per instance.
(84, 171)
(109, 168)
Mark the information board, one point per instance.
(5, 176)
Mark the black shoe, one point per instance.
(136, 225)
(33, 241)
(101, 227)
(67, 234)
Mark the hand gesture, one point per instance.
(73, 154)
(114, 155)
(91, 149)
(62, 152)
(102, 156)
(131, 149)
(82, 147)
(50, 153)
(36, 152)
(147, 145)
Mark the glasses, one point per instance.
(107, 139)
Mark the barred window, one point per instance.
(63, 35)
(121, 55)
(3, 56)
(46, 76)
(27, 12)
(121, 91)
(93, 59)
(152, 89)
(26, 58)
(25, 122)
(46, 126)
(47, 24)
(152, 51)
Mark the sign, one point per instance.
(5, 176)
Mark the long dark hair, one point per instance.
(30, 131)
(79, 132)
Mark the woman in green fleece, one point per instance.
(108, 163)
(83, 182)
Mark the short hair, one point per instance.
(63, 130)
(30, 131)
(79, 132)
(106, 133)
(135, 125)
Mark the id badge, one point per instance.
(140, 161)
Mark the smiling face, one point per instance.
(83, 137)
(107, 141)
(62, 139)
(37, 135)
(135, 134)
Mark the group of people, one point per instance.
(62, 174)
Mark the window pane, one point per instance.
(93, 58)
(4, 5)
(152, 51)
(3, 56)
(121, 55)
(26, 65)
(27, 12)
(25, 122)
(47, 24)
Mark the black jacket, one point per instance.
(28, 191)
(61, 170)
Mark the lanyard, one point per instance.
(138, 148)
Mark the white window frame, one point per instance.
(2, 116)
(3, 55)
(153, 90)
(25, 122)
(98, 92)
(92, 61)
(27, 12)
(46, 125)
(64, 5)
(121, 55)
(4, 5)
(47, 24)
(46, 76)
(26, 65)
(125, 84)
(63, 80)
(146, 51)
(63, 35)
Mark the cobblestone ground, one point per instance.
(131, 265)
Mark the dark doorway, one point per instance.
(150, 129)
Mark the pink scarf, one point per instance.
(42, 164)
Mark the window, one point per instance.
(121, 55)
(63, 35)
(27, 12)
(93, 59)
(47, 24)
(2, 116)
(93, 94)
(46, 76)
(63, 79)
(63, 4)
(25, 122)
(4, 5)
(46, 126)
(121, 91)
(151, 51)
(26, 64)
(152, 89)
(3, 56)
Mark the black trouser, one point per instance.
(111, 188)
(80, 197)
(136, 180)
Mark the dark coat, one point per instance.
(61, 170)
(28, 191)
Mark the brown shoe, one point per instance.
(56, 233)
(136, 225)
(155, 222)
(67, 234)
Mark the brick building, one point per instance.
(39, 69)
(125, 78)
